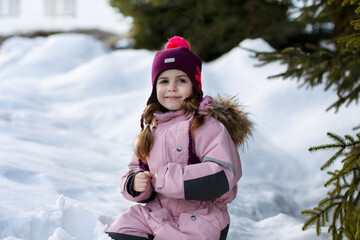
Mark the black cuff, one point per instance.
(130, 185)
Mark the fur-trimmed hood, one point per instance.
(230, 113)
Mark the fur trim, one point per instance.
(228, 111)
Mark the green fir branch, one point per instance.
(331, 180)
(350, 139)
(325, 147)
(349, 162)
(357, 10)
(356, 24)
(343, 199)
(336, 138)
(352, 40)
(332, 159)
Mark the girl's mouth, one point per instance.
(172, 97)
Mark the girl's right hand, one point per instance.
(141, 181)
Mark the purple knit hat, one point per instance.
(176, 55)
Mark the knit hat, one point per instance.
(176, 55)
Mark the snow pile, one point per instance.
(69, 112)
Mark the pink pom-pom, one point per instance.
(176, 41)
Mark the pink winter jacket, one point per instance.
(205, 187)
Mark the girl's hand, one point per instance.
(141, 181)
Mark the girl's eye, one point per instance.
(163, 81)
(182, 80)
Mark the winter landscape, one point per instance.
(70, 109)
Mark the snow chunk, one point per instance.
(258, 45)
(61, 234)
(60, 202)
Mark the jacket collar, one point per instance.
(203, 109)
(165, 117)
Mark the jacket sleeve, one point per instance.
(219, 171)
(126, 180)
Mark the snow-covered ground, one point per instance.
(69, 112)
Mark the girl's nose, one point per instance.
(172, 87)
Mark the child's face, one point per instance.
(172, 88)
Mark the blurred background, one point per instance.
(45, 17)
(218, 25)
(75, 76)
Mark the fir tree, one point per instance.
(334, 66)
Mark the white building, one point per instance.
(23, 16)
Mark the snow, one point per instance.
(69, 112)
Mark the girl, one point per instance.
(186, 164)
